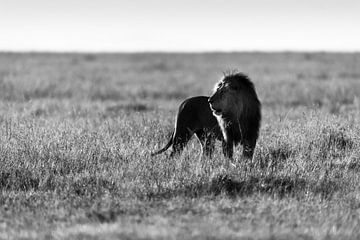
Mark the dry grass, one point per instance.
(76, 131)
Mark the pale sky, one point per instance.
(179, 25)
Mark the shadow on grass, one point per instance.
(279, 186)
(22, 180)
(275, 186)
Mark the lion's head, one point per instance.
(231, 94)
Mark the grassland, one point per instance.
(76, 131)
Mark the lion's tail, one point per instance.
(166, 147)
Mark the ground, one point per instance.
(76, 132)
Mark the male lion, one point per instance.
(194, 117)
(238, 112)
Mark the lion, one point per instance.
(237, 109)
(194, 117)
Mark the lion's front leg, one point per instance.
(248, 152)
(228, 149)
(248, 149)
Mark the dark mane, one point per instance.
(240, 77)
(238, 111)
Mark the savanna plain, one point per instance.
(76, 132)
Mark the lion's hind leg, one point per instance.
(180, 139)
(207, 141)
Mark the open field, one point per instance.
(76, 131)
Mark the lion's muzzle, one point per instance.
(215, 110)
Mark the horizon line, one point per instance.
(174, 51)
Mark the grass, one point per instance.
(76, 131)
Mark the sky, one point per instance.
(179, 25)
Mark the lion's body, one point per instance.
(238, 111)
(233, 116)
(194, 117)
